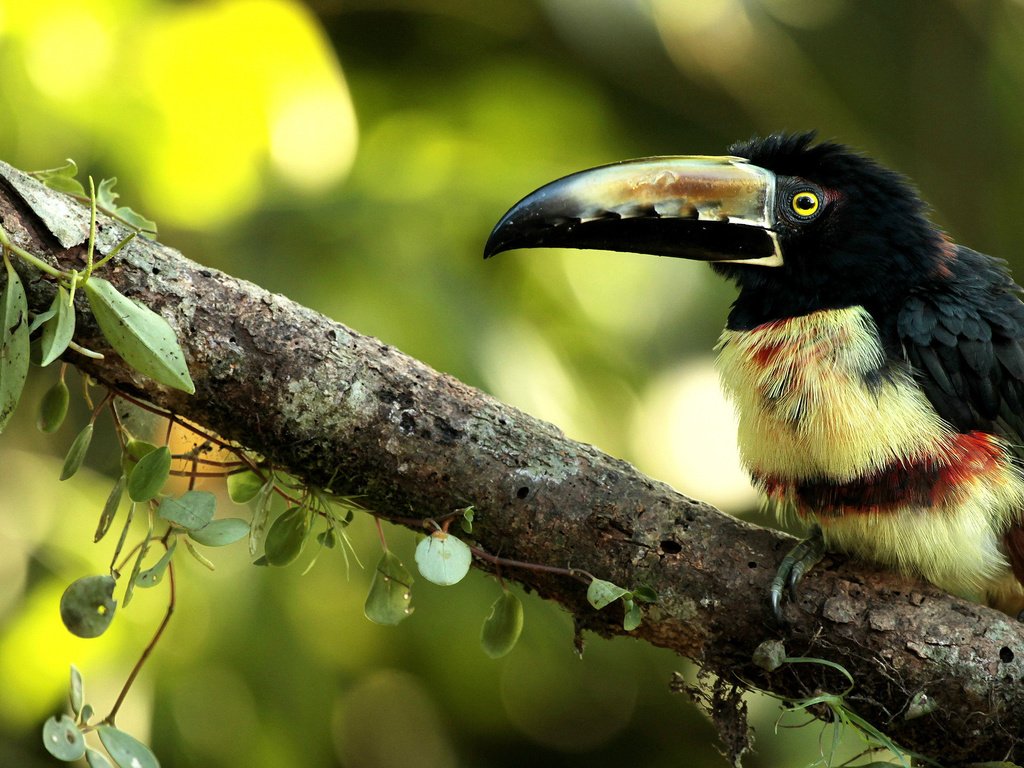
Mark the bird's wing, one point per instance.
(965, 342)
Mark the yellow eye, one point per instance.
(805, 204)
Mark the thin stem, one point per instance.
(92, 228)
(380, 532)
(147, 650)
(538, 567)
(84, 351)
(114, 251)
(169, 415)
(24, 255)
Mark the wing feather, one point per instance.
(964, 340)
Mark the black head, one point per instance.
(798, 226)
(851, 232)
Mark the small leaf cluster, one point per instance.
(443, 559)
(307, 507)
(88, 604)
(64, 736)
(62, 179)
(138, 334)
(601, 593)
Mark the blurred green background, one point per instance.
(353, 156)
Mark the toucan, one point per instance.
(877, 368)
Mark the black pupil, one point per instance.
(805, 202)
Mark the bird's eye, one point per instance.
(805, 204)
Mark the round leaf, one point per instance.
(87, 605)
(388, 601)
(191, 510)
(149, 474)
(218, 533)
(443, 559)
(76, 453)
(287, 536)
(126, 751)
(62, 739)
(502, 628)
(133, 451)
(600, 593)
(243, 486)
(53, 407)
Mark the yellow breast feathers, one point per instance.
(830, 428)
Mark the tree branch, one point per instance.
(942, 677)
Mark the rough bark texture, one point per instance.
(942, 677)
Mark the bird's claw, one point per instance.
(800, 559)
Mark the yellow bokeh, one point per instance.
(236, 86)
(214, 104)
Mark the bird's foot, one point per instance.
(800, 559)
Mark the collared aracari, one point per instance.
(877, 367)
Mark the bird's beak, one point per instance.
(706, 208)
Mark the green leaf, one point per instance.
(327, 538)
(38, 320)
(219, 533)
(191, 510)
(142, 337)
(62, 179)
(53, 407)
(133, 451)
(77, 690)
(154, 575)
(87, 605)
(645, 594)
(129, 589)
(62, 739)
(443, 559)
(14, 343)
(110, 508)
(59, 329)
(198, 555)
(502, 627)
(260, 515)
(105, 199)
(287, 536)
(86, 714)
(125, 750)
(600, 593)
(148, 476)
(243, 487)
(633, 617)
(467, 520)
(124, 535)
(76, 453)
(388, 601)
(96, 759)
